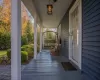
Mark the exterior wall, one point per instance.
(91, 40)
(65, 33)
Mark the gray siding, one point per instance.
(65, 32)
(91, 40)
(64, 35)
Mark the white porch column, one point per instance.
(41, 39)
(16, 40)
(35, 37)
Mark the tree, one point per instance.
(28, 32)
(5, 15)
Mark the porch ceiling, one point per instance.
(59, 9)
(31, 8)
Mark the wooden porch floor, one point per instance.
(47, 67)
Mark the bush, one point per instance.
(24, 40)
(31, 45)
(26, 46)
(5, 42)
(24, 55)
(9, 53)
(29, 49)
(23, 49)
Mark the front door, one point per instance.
(75, 33)
(75, 27)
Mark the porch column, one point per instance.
(16, 40)
(41, 39)
(35, 37)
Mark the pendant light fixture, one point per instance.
(49, 8)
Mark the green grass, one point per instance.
(2, 53)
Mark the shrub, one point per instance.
(31, 45)
(29, 49)
(26, 46)
(24, 55)
(5, 42)
(23, 49)
(9, 53)
(24, 40)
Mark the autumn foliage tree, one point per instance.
(5, 16)
(5, 24)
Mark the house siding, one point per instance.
(65, 33)
(91, 40)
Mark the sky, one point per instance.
(1, 1)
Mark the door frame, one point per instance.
(79, 4)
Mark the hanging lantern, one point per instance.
(49, 9)
(54, 0)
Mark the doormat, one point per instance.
(68, 66)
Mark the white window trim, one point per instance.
(77, 3)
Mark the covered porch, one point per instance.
(44, 65)
(76, 44)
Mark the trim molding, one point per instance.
(79, 63)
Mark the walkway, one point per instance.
(47, 67)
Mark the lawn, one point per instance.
(2, 53)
